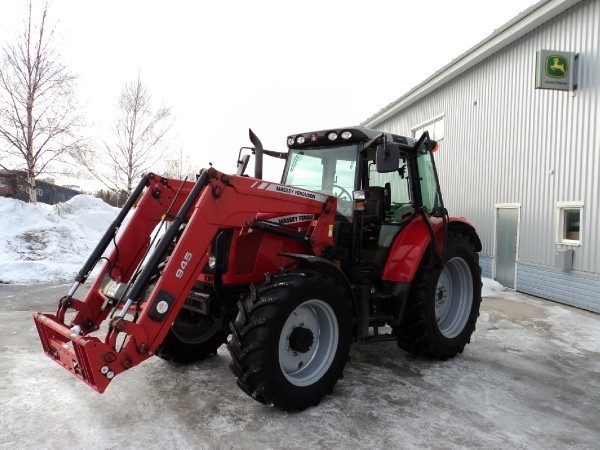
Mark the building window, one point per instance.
(434, 126)
(569, 222)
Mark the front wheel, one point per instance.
(192, 337)
(291, 340)
(443, 306)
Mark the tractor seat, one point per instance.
(377, 203)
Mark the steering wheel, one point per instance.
(343, 194)
(344, 200)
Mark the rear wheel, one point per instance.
(291, 340)
(443, 306)
(192, 337)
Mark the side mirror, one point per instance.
(387, 157)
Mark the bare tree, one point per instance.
(38, 116)
(178, 165)
(138, 144)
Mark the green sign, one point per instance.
(557, 66)
(556, 70)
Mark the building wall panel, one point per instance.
(564, 287)
(506, 142)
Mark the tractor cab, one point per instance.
(382, 182)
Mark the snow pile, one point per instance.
(491, 288)
(42, 243)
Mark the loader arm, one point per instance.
(137, 296)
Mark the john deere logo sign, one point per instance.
(557, 66)
(556, 70)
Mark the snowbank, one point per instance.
(42, 243)
(491, 288)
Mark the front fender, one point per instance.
(325, 265)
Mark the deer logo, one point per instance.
(556, 66)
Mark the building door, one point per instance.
(507, 229)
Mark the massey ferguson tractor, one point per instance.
(354, 244)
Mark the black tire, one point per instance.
(192, 338)
(443, 305)
(287, 364)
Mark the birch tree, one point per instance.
(38, 119)
(137, 144)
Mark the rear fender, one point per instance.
(462, 226)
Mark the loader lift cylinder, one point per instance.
(111, 231)
(108, 235)
(157, 256)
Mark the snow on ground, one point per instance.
(43, 243)
(529, 379)
(585, 336)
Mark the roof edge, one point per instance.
(514, 29)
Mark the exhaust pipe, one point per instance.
(258, 150)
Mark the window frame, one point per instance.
(561, 208)
(432, 121)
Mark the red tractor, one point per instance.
(353, 244)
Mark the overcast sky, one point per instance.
(278, 67)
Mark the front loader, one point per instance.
(353, 244)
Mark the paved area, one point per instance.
(529, 379)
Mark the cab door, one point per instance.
(426, 185)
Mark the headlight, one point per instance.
(290, 141)
(300, 140)
(212, 262)
(346, 134)
(332, 136)
(359, 195)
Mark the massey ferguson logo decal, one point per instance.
(293, 219)
(298, 192)
(291, 191)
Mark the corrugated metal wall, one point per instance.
(506, 142)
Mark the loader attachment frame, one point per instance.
(89, 358)
(138, 293)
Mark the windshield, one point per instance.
(326, 170)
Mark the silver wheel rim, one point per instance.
(305, 367)
(453, 297)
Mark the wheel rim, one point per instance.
(308, 342)
(453, 297)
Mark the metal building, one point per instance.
(518, 121)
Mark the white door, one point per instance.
(507, 229)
